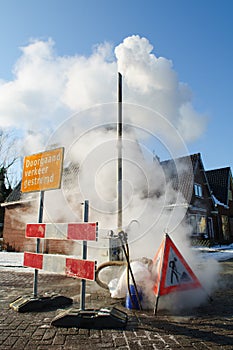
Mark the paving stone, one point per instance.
(120, 341)
(59, 339)
(209, 329)
(10, 341)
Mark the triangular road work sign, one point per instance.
(171, 270)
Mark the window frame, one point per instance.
(198, 190)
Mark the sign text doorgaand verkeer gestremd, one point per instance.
(42, 171)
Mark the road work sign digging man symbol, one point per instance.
(174, 272)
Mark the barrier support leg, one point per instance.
(92, 318)
(35, 302)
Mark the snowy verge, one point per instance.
(14, 261)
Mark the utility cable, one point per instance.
(125, 248)
(129, 272)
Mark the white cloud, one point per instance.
(33, 97)
(152, 82)
(91, 80)
(47, 88)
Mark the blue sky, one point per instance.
(196, 35)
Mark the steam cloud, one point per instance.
(47, 89)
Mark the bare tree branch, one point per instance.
(9, 155)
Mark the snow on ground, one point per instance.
(14, 261)
(218, 252)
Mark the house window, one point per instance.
(198, 190)
(199, 225)
(225, 227)
(193, 223)
(230, 195)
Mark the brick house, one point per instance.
(210, 205)
(21, 208)
(221, 184)
(189, 177)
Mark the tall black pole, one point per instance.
(83, 285)
(119, 163)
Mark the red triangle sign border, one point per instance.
(160, 287)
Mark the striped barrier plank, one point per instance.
(86, 231)
(61, 264)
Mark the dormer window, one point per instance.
(230, 195)
(198, 190)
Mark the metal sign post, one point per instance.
(40, 220)
(84, 256)
(41, 172)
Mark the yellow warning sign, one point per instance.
(42, 171)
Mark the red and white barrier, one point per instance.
(86, 231)
(84, 269)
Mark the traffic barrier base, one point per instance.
(91, 319)
(40, 303)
